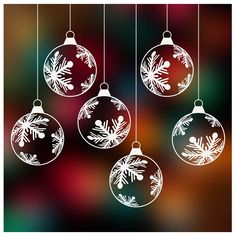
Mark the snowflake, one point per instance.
(182, 56)
(152, 72)
(83, 53)
(109, 136)
(57, 141)
(55, 74)
(184, 83)
(156, 183)
(29, 124)
(87, 109)
(29, 158)
(127, 200)
(127, 167)
(87, 83)
(213, 121)
(181, 126)
(203, 153)
(118, 104)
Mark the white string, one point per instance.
(167, 17)
(69, 17)
(136, 68)
(37, 53)
(104, 43)
(198, 52)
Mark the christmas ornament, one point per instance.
(135, 180)
(167, 69)
(37, 138)
(198, 138)
(104, 121)
(70, 69)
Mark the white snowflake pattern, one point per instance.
(182, 125)
(127, 200)
(201, 153)
(29, 158)
(125, 167)
(84, 54)
(156, 183)
(29, 124)
(87, 109)
(152, 74)
(55, 74)
(184, 83)
(118, 104)
(213, 121)
(57, 141)
(107, 136)
(182, 56)
(87, 83)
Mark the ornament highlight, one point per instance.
(167, 69)
(70, 69)
(198, 138)
(136, 180)
(37, 138)
(104, 121)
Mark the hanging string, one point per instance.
(136, 69)
(37, 54)
(69, 17)
(198, 51)
(167, 17)
(104, 43)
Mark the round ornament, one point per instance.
(104, 121)
(37, 138)
(135, 180)
(198, 138)
(70, 69)
(167, 69)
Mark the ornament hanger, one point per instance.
(198, 53)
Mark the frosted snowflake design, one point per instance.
(85, 56)
(213, 121)
(182, 56)
(88, 83)
(127, 167)
(55, 72)
(182, 125)
(153, 72)
(156, 183)
(29, 125)
(57, 141)
(106, 136)
(29, 158)
(87, 109)
(127, 200)
(199, 153)
(184, 83)
(118, 104)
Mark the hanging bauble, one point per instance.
(136, 180)
(37, 138)
(70, 69)
(104, 121)
(198, 138)
(167, 69)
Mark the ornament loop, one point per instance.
(104, 85)
(136, 144)
(167, 34)
(37, 102)
(70, 34)
(198, 103)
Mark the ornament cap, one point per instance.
(37, 106)
(198, 106)
(70, 38)
(136, 149)
(104, 90)
(167, 38)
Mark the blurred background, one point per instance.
(72, 193)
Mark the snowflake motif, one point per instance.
(109, 136)
(118, 104)
(127, 200)
(57, 141)
(182, 56)
(127, 167)
(55, 74)
(213, 121)
(201, 153)
(29, 124)
(29, 158)
(156, 183)
(87, 109)
(182, 125)
(152, 72)
(83, 53)
(87, 83)
(184, 83)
